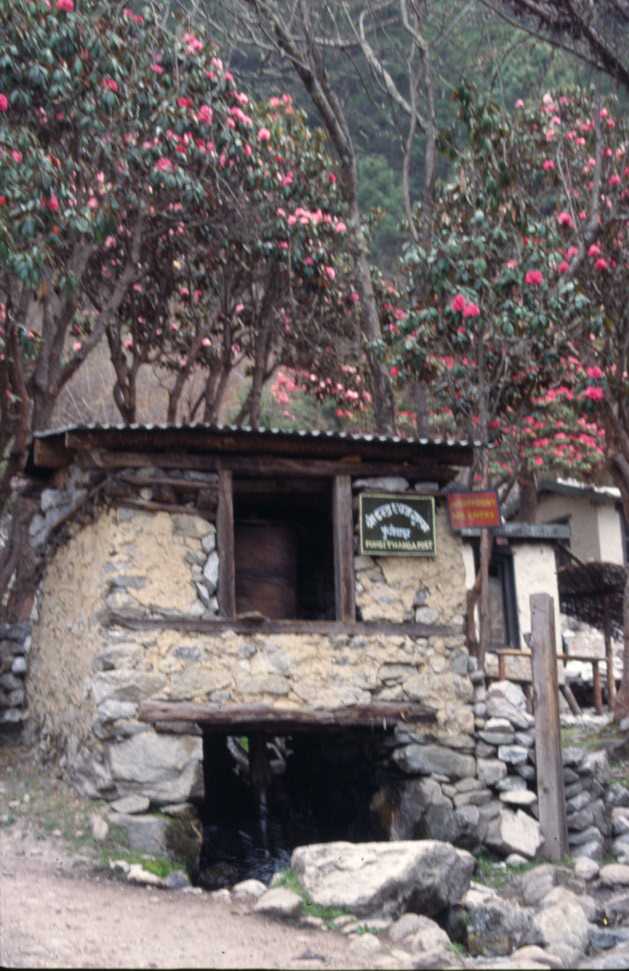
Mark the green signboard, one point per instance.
(397, 525)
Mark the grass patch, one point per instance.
(289, 880)
(156, 865)
(493, 875)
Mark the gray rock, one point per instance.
(210, 571)
(491, 771)
(111, 710)
(515, 832)
(578, 802)
(428, 937)
(604, 938)
(616, 910)
(177, 880)
(497, 738)
(484, 751)
(617, 795)
(510, 783)
(572, 756)
(525, 738)
(478, 798)
(145, 833)
(615, 960)
(191, 525)
(279, 902)
(131, 805)
(592, 850)
(513, 754)
(404, 927)
(248, 888)
(124, 655)
(514, 859)
(208, 543)
(620, 820)
(435, 759)
(526, 772)
(597, 763)
(125, 685)
(137, 874)
(615, 875)
(496, 927)
(384, 878)
(577, 837)
(564, 925)
(518, 797)
(161, 767)
(19, 666)
(533, 956)
(468, 785)
(586, 869)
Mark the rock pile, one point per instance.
(15, 644)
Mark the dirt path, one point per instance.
(57, 910)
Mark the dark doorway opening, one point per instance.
(265, 795)
(284, 555)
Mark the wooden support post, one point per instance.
(226, 545)
(598, 691)
(502, 667)
(550, 785)
(609, 654)
(573, 704)
(343, 548)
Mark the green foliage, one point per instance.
(290, 881)
(158, 866)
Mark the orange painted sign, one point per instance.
(469, 510)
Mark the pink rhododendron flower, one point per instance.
(614, 179)
(76, 347)
(601, 264)
(206, 342)
(563, 267)
(66, 6)
(264, 135)
(184, 102)
(458, 303)
(330, 272)
(394, 372)
(109, 84)
(4, 102)
(163, 165)
(594, 250)
(157, 68)
(595, 394)
(53, 203)
(594, 372)
(534, 278)
(519, 103)
(205, 114)
(340, 227)
(565, 219)
(548, 165)
(471, 310)
(16, 156)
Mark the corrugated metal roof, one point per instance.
(246, 430)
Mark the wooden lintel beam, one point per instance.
(324, 627)
(50, 454)
(244, 718)
(266, 466)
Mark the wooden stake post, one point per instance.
(550, 787)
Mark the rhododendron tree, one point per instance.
(523, 292)
(134, 173)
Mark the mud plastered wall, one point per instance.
(89, 676)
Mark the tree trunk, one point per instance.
(621, 707)
(528, 497)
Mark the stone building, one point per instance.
(267, 625)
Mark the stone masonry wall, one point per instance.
(88, 677)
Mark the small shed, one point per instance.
(209, 584)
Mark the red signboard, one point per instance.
(467, 510)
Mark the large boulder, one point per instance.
(437, 759)
(423, 877)
(164, 768)
(145, 833)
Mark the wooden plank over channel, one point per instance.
(550, 785)
(243, 718)
(343, 532)
(226, 544)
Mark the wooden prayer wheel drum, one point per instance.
(266, 568)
